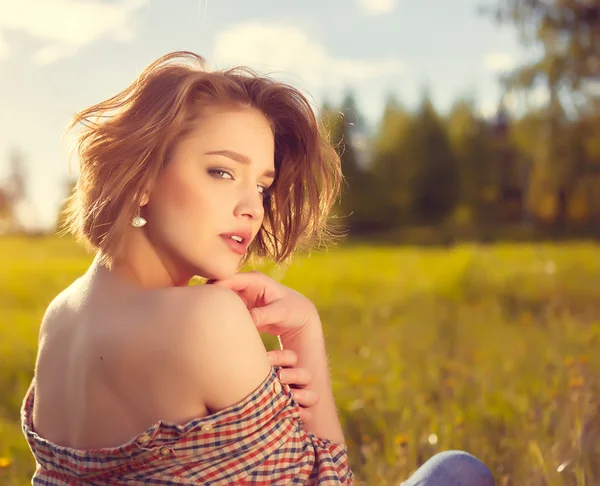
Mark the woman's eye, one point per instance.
(223, 174)
(220, 174)
(264, 191)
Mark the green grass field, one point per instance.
(489, 349)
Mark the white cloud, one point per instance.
(285, 51)
(377, 7)
(498, 61)
(66, 26)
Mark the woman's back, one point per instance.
(102, 356)
(119, 399)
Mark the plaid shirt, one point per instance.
(259, 441)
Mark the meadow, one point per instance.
(491, 349)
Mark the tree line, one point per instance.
(465, 171)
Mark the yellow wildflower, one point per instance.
(402, 440)
(576, 382)
(371, 379)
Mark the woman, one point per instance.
(141, 378)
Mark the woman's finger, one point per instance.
(275, 313)
(305, 398)
(254, 287)
(251, 291)
(305, 415)
(283, 357)
(295, 376)
(241, 281)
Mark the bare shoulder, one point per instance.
(204, 309)
(56, 310)
(214, 341)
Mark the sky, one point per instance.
(60, 56)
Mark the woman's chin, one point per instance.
(221, 273)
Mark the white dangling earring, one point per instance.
(138, 221)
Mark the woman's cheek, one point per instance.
(182, 192)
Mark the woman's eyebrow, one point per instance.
(241, 158)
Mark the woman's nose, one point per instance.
(250, 205)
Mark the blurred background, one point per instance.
(463, 309)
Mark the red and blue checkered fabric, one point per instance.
(259, 441)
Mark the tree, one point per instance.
(392, 174)
(12, 193)
(562, 167)
(345, 125)
(478, 169)
(343, 135)
(69, 187)
(568, 32)
(435, 176)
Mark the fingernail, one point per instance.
(282, 375)
(271, 357)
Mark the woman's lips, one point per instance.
(233, 245)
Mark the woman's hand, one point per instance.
(275, 308)
(297, 378)
(281, 311)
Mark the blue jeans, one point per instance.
(451, 468)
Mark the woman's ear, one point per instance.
(145, 198)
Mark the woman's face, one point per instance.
(212, 189)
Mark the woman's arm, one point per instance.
(309, 345)
(214, 345)
(281, 311)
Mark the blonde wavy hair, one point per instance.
(126, 142)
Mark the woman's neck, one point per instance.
(141, 264)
